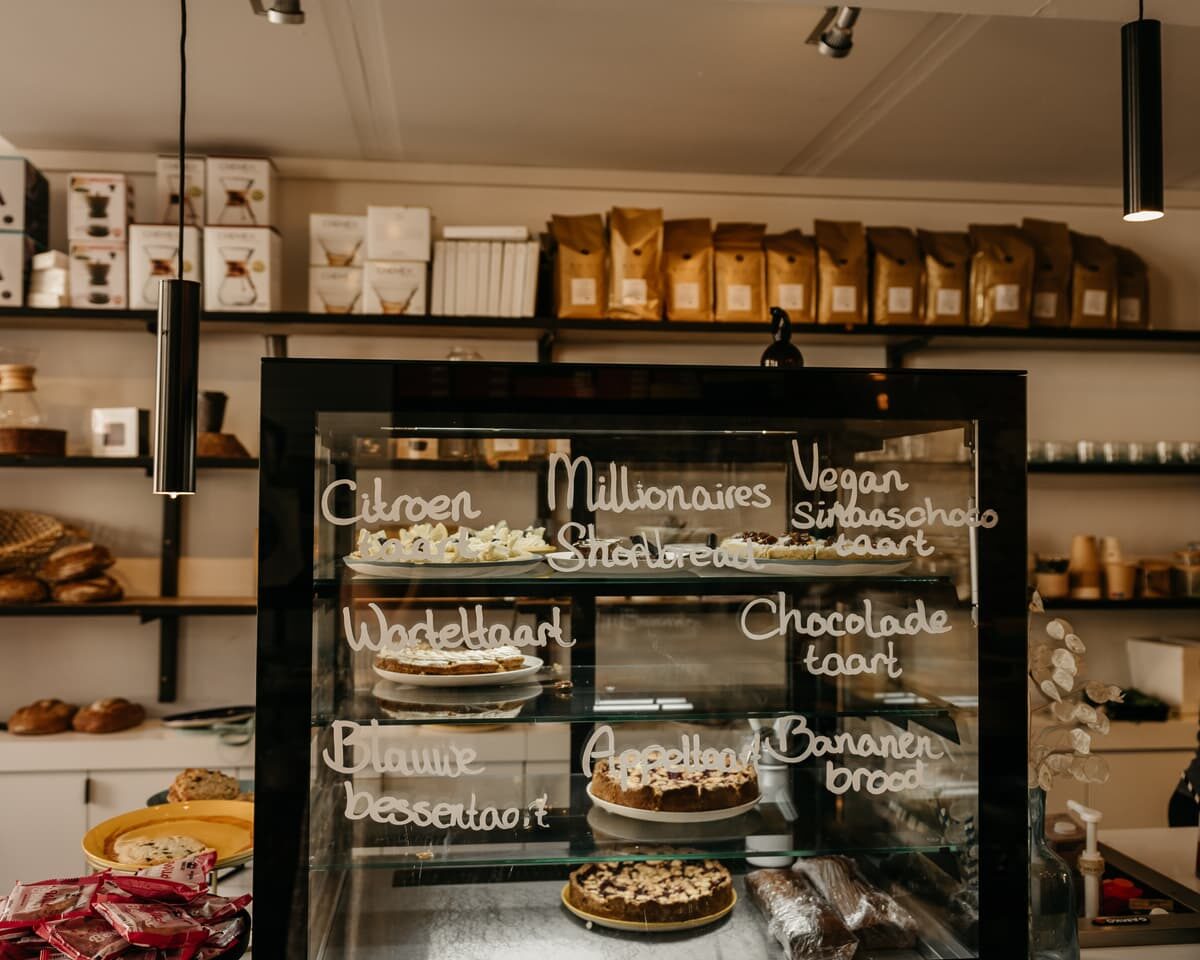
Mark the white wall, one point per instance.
(1072, 395)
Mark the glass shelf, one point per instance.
(626, 693)
(857, 825)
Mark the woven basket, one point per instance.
(26, 536)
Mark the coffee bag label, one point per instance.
(687, 295)
(948, 303)
(739, 296)
(1045, 305)
(1095, 303)
(634, 292)
(845, 299)
(900, 300)
(791, 296)
(1008, 296)
(583, 291)
(1129, 311)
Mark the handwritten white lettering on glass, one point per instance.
(464, 629)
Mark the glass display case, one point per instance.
(659, 661)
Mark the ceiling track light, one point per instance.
(176, 377)
(1141, 117)
(833, 36)
(280, 11)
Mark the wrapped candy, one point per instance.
(152, 924)
(30, 903)
(209, 908)
(181, 880)
(84, 938)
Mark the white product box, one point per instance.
(55, 280)
(154, 257)
(335, 240)
(395, 287)
(120, 432)
(1167, 668)
(98, 275)
(16, 251)
(50, 260)
(24, 199)
(169, 200)
(239, 192)
(398, 233)
(99, 207)
(335, 290)
(242, 269)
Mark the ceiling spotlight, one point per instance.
(834, 35)
(1141, 117)
(280, 11)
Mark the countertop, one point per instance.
(1169, 851)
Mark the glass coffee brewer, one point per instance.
(163, 259)
(179, 202)
(22, 424)
(237, 211)
(237, 288)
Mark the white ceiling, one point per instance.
(729, 86)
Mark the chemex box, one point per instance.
(398, 233)
(174, 195)
(24, 199)
(16, 251)
(335, 290)
(394, 288)
(154, 257)
(239, 191)
(98, 275)
(335, 240)
(99, 206)
(242, 269)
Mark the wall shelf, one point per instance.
(1147, 469)
(144, 608)
(901, 339)
(144, 463)
(1141, 603)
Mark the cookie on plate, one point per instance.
(197, 784)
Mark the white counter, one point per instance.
(1170, 851)
(150, 746)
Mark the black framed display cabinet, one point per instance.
(681, 624)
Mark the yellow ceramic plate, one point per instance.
(646, 927)
(226, 826)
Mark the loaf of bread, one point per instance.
(92, 590)
(108, 716)
(197, 784)
(879, 922)
(75, 562)
(21, 588)
(805, 925)
(42, 716)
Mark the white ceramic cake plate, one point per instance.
(501, 678)
(672, 816)
(644, 927)
(396, 569)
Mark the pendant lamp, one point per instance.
(177, 374)
(1141, 117)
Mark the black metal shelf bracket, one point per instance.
(546, 343)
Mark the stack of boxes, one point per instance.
(154, 247)
(24, 225)
(392, 277)
(242, 248)
(99, 212)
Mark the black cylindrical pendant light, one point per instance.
(1141, 116)
(176, 381)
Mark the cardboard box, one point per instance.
(394, 288)
(99, 207)
(169, 200)
(1167, 668)
(242, 269)
(335, 290)
(24, 199)
(239, 192)
(398, 233)
(98, 275)
(335, 240)
(154, 257)
(16, 252)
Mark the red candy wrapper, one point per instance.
(222, 936)
(152, 924)
(31, 903)
(208, 908)
(176, 881)
(84, 938)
